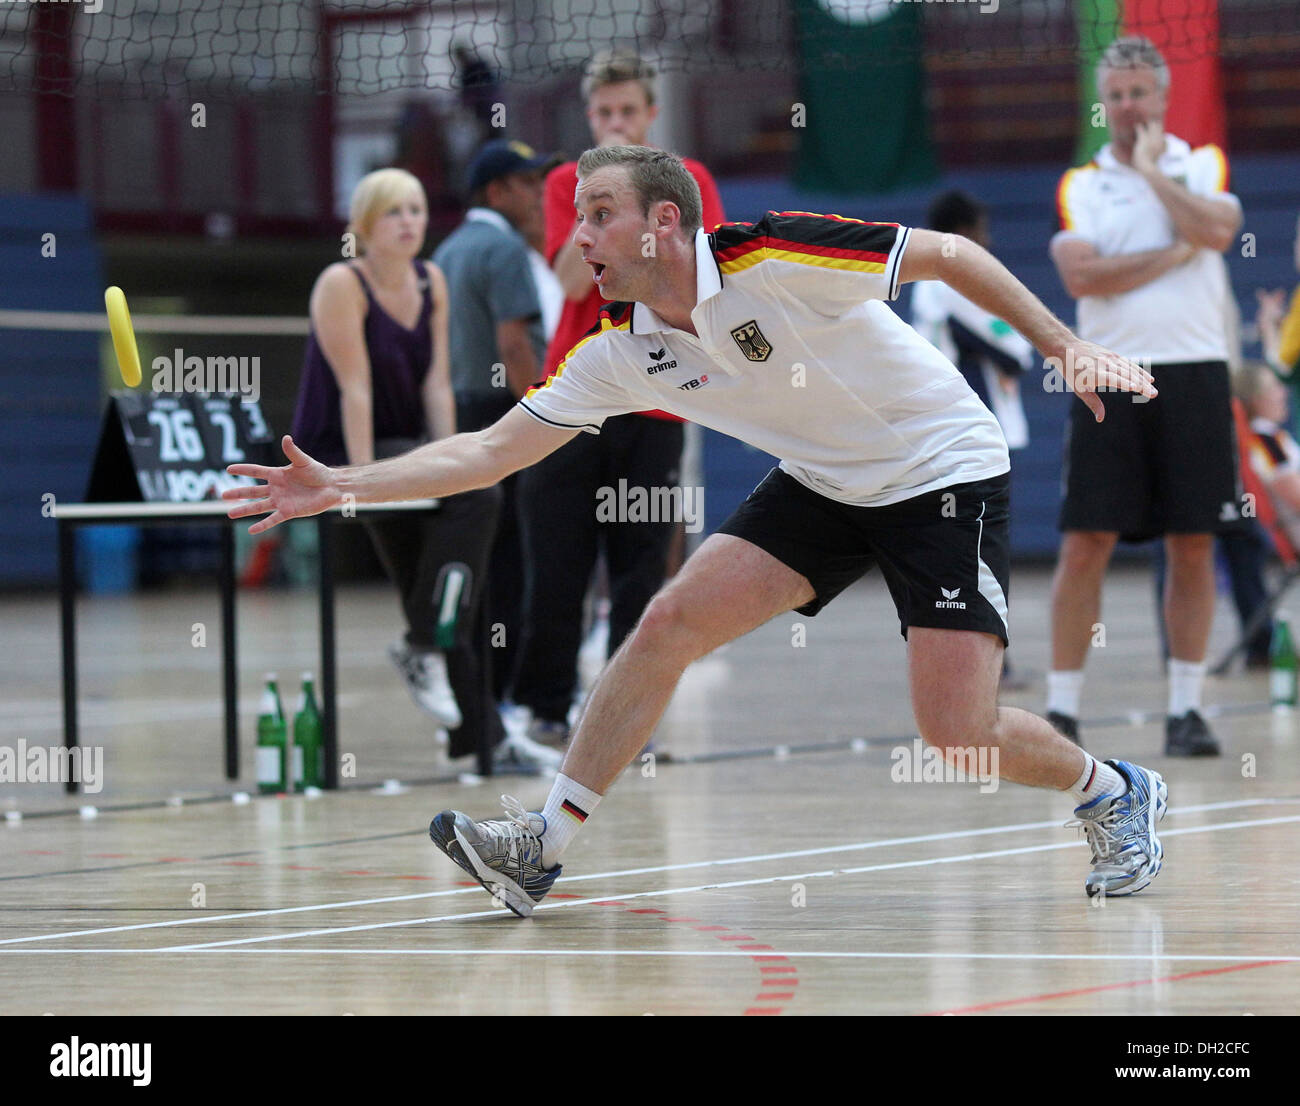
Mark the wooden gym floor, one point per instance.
(749, 874)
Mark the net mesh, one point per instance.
(158, 48)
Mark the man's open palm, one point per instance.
(302, 487)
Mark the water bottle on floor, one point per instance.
(1282, 664)
(272, 753)
(308, 750)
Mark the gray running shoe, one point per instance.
(504, 856)
(1121, 829)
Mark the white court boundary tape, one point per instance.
(785, 954)
(950, 835)
(664, 892)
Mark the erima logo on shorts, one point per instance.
(660, 364)
(949, 600)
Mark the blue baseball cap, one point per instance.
(503, 156)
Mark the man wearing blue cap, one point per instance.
(497, 344)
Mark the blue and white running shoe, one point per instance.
(505, 857)
(1121, 829)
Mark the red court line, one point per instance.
(762, 1011)
(1108, 987)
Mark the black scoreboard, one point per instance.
(173, 447)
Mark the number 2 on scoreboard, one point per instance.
(230, 451)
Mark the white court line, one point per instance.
(663, 892)
(951, 835)
(668, 953)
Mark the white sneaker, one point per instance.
(426, 679)
(592, 652)
(518, 754)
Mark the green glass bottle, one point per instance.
(271, 741)
(1282, 664)
(308, 751)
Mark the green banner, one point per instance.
(864, 126)
(1099, 24)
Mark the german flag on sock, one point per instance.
(575, 812)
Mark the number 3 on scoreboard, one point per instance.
(178, 440)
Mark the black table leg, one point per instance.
(68, 632)
(230, 669)
(329, 702)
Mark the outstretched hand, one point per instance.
(302, 487)
(1089, 368)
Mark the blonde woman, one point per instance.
(376, 382)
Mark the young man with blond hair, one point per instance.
(562, 530)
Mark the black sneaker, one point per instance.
(1189, 736)
(1065, 726)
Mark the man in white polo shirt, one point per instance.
(1143, 227)
(776, 332)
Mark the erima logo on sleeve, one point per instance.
(949, 600)
(660, 364)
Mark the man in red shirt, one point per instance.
(563, 533)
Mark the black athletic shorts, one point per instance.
(945, 555)
(1167, 466)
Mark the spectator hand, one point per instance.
(1149, 146)
(1272, 306)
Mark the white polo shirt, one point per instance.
(797, 356)
(1179, 316)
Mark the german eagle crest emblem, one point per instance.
(751, 341)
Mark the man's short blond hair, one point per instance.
(617, 67)
(1132, 52)
(374, 194)
(655, 175)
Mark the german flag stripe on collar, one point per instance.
(613, 316)
(825, 241)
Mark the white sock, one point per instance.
(1063, 692)
(567, 807)
(1097, 779)
(1185, 680)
